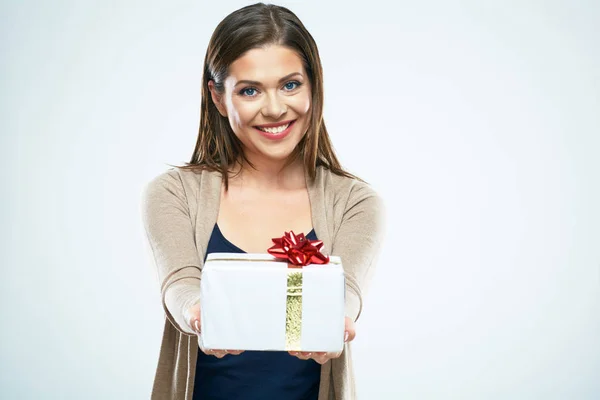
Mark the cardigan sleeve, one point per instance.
(167, 222)
(358, 243)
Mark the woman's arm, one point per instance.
(358, 243)
(166, 219)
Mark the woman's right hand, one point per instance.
(193, 314)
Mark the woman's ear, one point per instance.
(217, 98)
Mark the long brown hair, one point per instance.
(250, 27)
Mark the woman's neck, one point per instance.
(270, 175)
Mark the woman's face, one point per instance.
(266, 86)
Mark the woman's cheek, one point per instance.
(248, 113)
(302, 104)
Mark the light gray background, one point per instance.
(477, 121)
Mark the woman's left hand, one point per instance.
(323, 357)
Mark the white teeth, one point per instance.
(278, 129)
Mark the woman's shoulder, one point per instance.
(353, 199)
(184, 176)
(343, 185)
(180, 181)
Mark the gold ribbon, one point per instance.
(293, 310)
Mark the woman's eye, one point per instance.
(296, 83)
(245, 91)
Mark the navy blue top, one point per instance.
(253, 375)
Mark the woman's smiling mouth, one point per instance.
(276, 127)
(276, 130)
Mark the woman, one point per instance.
(263, 165)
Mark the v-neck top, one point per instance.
(217, 239)
(253, 375)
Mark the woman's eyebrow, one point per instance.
(245, 81)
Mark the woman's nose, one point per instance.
(274, 107)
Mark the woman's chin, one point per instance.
(278, 155)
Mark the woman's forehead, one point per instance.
(266, 65)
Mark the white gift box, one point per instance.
(252, 302)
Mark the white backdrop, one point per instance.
(478, 123)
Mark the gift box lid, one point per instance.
(259, 257)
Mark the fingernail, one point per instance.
(346, 334)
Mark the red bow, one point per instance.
(298, 250)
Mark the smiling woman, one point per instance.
(263, 165)
(262, 60)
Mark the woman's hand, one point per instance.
(323, 357)
(193, 317)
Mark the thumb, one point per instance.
(194, 323)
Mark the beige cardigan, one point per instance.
(179, 211)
